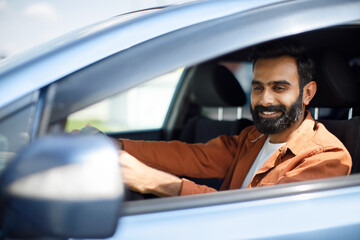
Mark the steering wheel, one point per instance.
(131, 195)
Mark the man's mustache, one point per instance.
(272, 108)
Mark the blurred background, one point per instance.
(28, 23)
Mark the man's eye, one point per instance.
(279, 88)
(257, 88)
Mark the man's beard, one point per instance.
(277, 124)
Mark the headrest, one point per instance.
(336, 81)
(215, 86)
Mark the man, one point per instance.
(284, 145)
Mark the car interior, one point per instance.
(336, 104)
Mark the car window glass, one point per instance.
(14, 133)
(140, 108)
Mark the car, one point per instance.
(148, 76)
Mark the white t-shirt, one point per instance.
(265, 153)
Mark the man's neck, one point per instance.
(287, 134)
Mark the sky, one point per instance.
(28, 23)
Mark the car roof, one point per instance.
(25, 73)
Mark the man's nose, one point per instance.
(267, 98)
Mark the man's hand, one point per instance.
(144, 179)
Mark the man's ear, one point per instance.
(309, 92)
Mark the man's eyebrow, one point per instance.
(253, 82)
(280, 82)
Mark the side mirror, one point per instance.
(63, 186)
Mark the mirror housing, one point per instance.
(63, 186)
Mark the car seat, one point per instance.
(214, 86)
(339, 88)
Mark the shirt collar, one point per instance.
(303, 135)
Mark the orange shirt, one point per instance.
(312, 153)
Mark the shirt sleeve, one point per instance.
(332, 162)
(209, 160)
(189, 188)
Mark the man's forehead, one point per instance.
(276, 69)
(276, 61)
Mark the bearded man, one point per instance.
(284, 145)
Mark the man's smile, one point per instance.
(269, 114)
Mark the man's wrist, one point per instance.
(165, 185)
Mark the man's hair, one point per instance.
(278, 48)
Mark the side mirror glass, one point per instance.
(63, 186)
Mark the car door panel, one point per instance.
(312, 213)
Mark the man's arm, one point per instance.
(210, 160)
(144, 179)
(151, 166)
